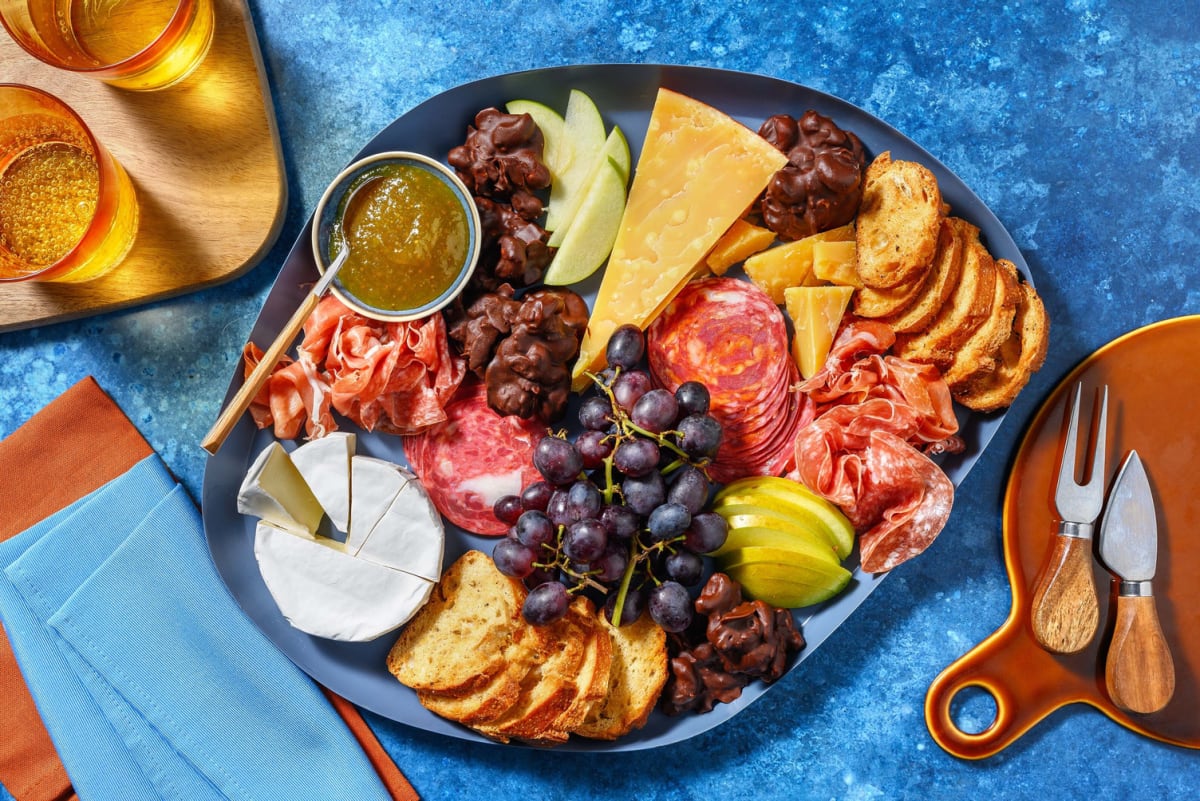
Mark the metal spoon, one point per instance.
(258, 377)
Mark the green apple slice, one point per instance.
(555, 154)
(783, 577)
(590, 239)
(748, 530)
(785, 496)
(616, 150)
(583, 135)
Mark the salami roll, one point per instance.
(473, 459)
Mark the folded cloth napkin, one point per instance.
(151, 680)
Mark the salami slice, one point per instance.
(730, 336)
(473, 458)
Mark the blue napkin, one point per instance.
(151, 680)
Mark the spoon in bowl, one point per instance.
(258, 377)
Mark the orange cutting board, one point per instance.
(1154, 388)
(206, 163)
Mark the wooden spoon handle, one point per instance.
(1139, 671)
(1065, 610)
(258, 377)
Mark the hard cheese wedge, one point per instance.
(816, 313)
(275, 491)
(326, 592)
(698, 172)
(325, 465)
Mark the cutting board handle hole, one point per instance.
(973, 710)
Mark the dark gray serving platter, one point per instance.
(625, 95)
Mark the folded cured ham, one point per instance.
(863, 452)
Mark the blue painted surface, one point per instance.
(1076, 122)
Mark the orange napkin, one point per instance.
(75, 445)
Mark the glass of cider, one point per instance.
(68, 211)
(131, 44)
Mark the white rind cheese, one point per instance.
(325, 465)
(326, 592)
(376, 484)
(409, 536)
(274, 490)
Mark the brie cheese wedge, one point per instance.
(325, 465)
(376, 484)
(326, 592)
(274, 490)
(409, 536)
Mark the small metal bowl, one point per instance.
(325, 220)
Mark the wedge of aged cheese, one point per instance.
(835, 262)
(741, 241)
(274, 490)
(791, 264)
(326, 592)
(698, 172)
(376, 483)
(409, 536)
(325, 465)
(816, 313)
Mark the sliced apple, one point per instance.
(583, 135)
(555, 152)
(784, 577)
(749, 521)
(784, 495)
(590, 239)
(616, 151)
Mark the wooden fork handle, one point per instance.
(1139, 671)
(258, 377)
(1065, 609)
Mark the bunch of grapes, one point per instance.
(620, 511)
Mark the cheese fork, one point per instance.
(1065, 610)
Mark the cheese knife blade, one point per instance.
(1139, 672)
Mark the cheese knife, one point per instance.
(1139, 672)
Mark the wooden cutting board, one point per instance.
(206, 163)
(1153, 383)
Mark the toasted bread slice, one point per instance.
(875, 303)
(494, 698)
(551, 686)
(897, 227)
(977, 356)
(966, 310)
(940, 283)
(1020, 357)
(457, 642)
(639, 671)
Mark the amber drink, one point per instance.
(132, 44)
(67, 209)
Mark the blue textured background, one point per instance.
(1076, 122)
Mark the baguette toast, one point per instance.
(976, 357)
(639, 671)
(897, 228)
(941, 281)
(1021, 355)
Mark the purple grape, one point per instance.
(557, 510)
(668, 522)
(636, 457)
(620, 521)
(693, 397)
(585, 541)
(626, 347)
(507, 509)
(540, 575)
(594, 447)
(584, 500)
(545, 603)
(628, 388)
(706, 534)
(684, 567)
(533, 529)
(512, 558)
(699, 435)
(644, 493)
(631, 609)
(595, 413)
(536, 496)
(611, 565)
(557, 460)
(670, 606)
(689, 488)
(656, 411)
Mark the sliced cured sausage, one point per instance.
(473, 458)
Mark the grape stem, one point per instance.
(630, 567)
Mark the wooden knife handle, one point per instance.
(258, 377)
(1065, 610)
(1139, 671)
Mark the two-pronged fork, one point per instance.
(1065, 610)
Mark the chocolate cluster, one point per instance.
(742, 641)
(522, 349)
(821, 185)
(501, 163)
